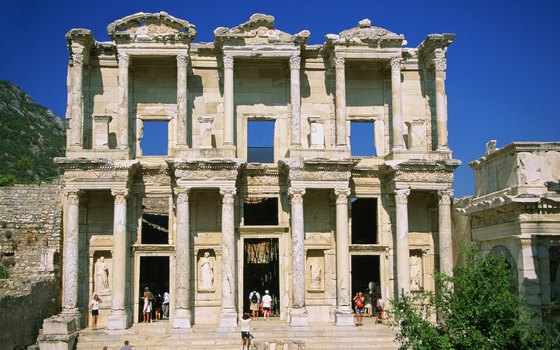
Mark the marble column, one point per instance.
(298, 312)
(396, 97)
(295, 100)
(445, 242)
(76, 105)
(440, 66)
(228, 100)
(70, 263)
(403, 250)
(182, 98)
(228, 313)
(122, 121)
(182, 314)
(119, 317)
(529, 283)
(340, 101)
(344, 314)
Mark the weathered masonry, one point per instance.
(260, 180)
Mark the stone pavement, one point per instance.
(269, 335)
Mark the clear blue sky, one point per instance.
(502, 73)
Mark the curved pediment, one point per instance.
(366, 34)
(259, 30)
(150, 27)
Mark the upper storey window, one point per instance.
(154, 138)
(362, 141)
(260, 141)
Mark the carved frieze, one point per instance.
(494, 217)
(148, 27)
(366, 34)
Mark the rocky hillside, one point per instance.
(30, 137)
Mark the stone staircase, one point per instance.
(269, 335)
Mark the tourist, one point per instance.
(368, 301)
(165, 306)
(158, 305)
(147, 308)
(94, 308)
(379, 308)
(267, 305)
(254, 299)
(245, 330)
(126, 346)
(359, 303)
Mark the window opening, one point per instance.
(260, 141)
(154, 138)
(260, 211)
(155, 220)
(364, 220)
(362, 142)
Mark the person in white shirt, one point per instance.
(244, 323)
(94, 308)
(267, 305)
(254, 299)
(165, 305)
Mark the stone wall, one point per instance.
(30, 248)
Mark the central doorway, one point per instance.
(154, 274)
(261, 270)
(365, 274)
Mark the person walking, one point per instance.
(379, 308)
(254, 299)
(245, 331)
(94, 308)
(267, 305)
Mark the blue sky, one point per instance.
(502, 73)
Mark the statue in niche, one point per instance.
(101, 275)
(206, 271)
(315, 275)
(415, 272)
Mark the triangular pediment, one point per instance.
(366, 35)
(259, 30)
(149, 27)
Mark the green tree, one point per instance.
(476, 308)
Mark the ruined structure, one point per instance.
(215, 214)
(515, 213)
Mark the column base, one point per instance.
(299, 317)
(443, 149)
(118, 320)
(182, 319)
(228, 318)
(60, 332)
(398, 148)
(344, 317)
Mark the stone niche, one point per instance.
(102, 284)
(206, 273)
(315, 268)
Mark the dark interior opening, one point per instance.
(260, 211)
(154, 274)
(365, 272)
(261, 271)
(155, 228)
(364, 220)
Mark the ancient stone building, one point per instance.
(515, 213)
(306, 213)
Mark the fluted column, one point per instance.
(445, 243)
(70, 271)
(298, 313)
(181, 100)
(339, 64)
(182, 315)
(122, 123)
(344, 315)
(295, 99)
(396, 96)
(440, 65)
(76, 105)
(403, 250)
(228, 313)
(228, 100)
(119, 318)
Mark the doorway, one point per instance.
(154, 274)
(365, 274)
(261, 270)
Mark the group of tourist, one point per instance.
(363, 306)
(256, 304)
(157, 304)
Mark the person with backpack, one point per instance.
(359, 303)
(254, 299)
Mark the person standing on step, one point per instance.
(359, 303)
(244, 324)
(126, 346)
(165, 305)
(267, 305)
(254, 299)
(379, 308)
(94, 308)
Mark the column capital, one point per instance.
(339, 62)
(182, 194)
(295, 62)
(77, 59)
(124, 59)
(445, 197)
(73, 196)
(228, 61)
(181, 61)
(401, 195)
(228, 195)
(342, 195)
(120, 195)
(396, 63)
(296, 195)
(525, 243)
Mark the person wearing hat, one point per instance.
(267, 305)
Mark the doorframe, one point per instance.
(283, 264)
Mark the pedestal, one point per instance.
(298, 318)
(228, 318)
(344, 317)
